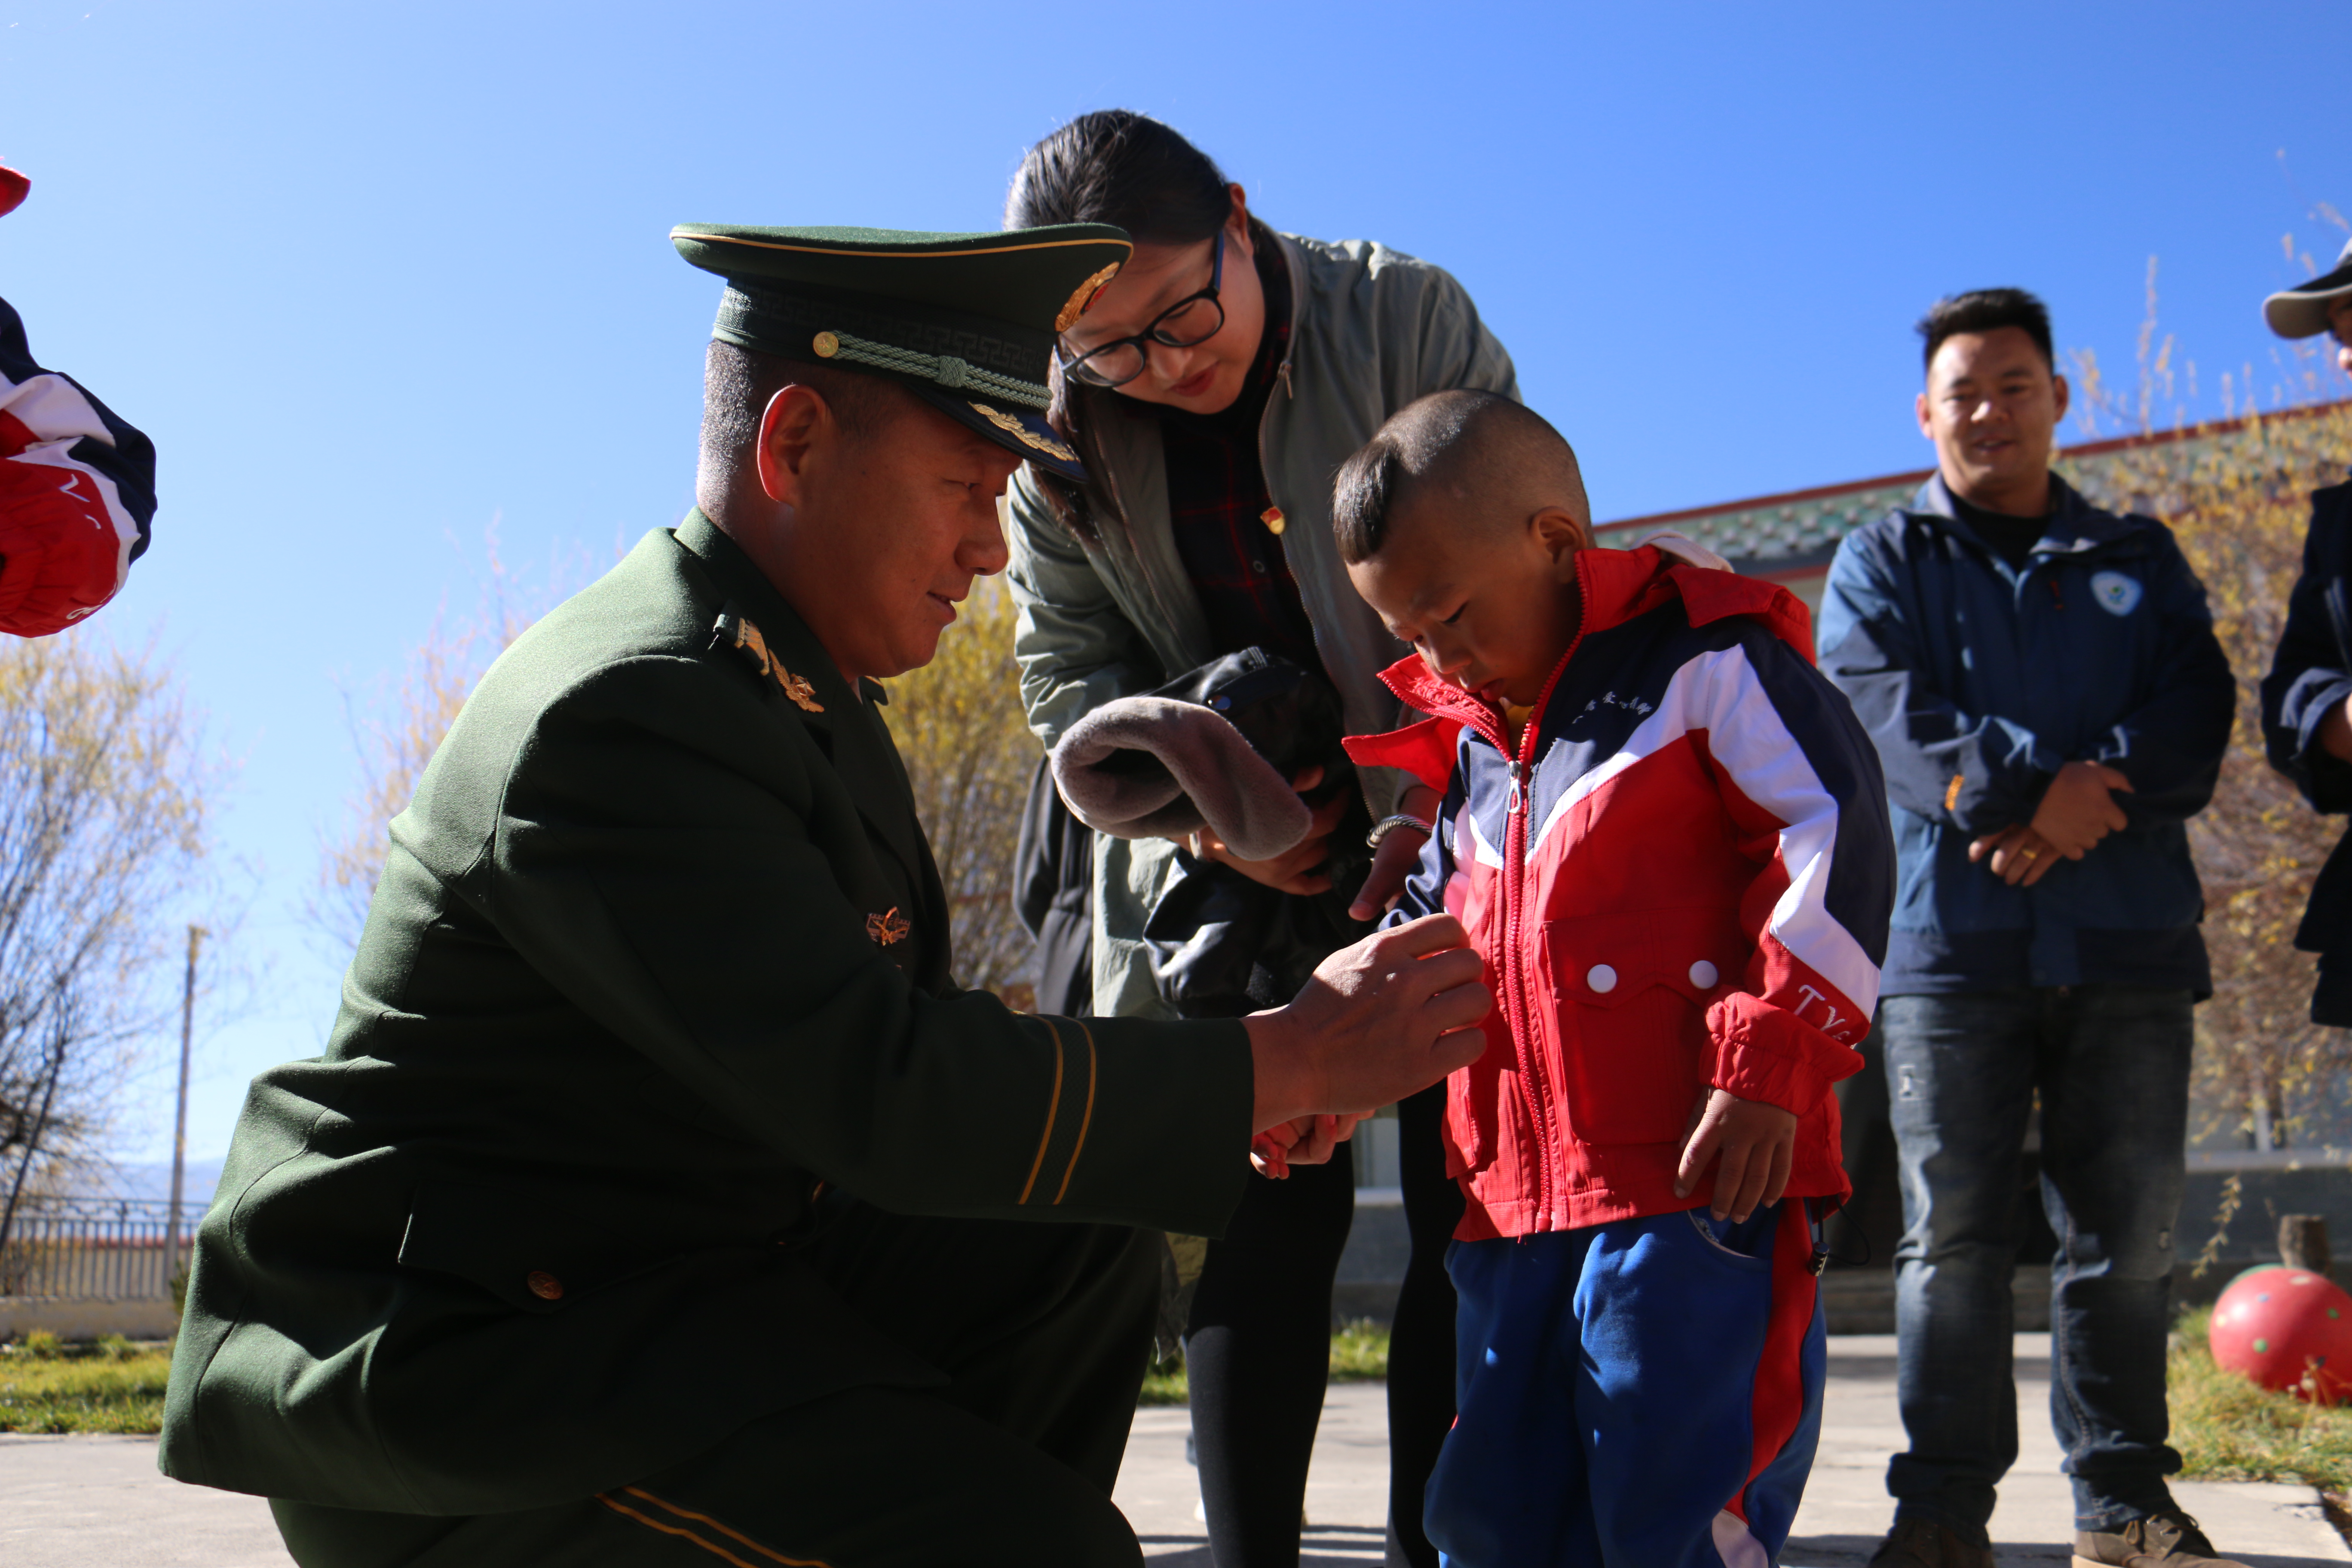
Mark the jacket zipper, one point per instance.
(1515, 903)
(1515, 986)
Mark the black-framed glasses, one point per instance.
(1194, 318)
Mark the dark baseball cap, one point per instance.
(2302, 311)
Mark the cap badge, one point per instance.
(736, 632)
(1013, 427)
(888, 929)
(1084, 298)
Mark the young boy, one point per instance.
(1668, 836)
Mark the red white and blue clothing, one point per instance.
(1679, 873)
(77, 493)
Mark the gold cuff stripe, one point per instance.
(673, 1530)
(864, 254)
(1053, 1104)
(736, 1535)
(1089, 1120)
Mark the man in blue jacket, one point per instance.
(2307, 697)
(2050, 706)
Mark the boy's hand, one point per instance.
(1296, 870)
(1393, 861)
(2079, 808)
(1308, 1141)
(1757, 1142)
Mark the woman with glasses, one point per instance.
(1213, 388)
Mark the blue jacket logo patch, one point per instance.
(2116, 593)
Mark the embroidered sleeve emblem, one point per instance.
(888, 928)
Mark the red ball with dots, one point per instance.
(2287, 1329)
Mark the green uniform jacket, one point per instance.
(659, 957)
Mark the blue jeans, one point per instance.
(2111, 1067)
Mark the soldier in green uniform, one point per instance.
(660, 1198)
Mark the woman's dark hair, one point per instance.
(1112, 166)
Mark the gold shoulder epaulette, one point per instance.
(737, 632)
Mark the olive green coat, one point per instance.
(658, 966)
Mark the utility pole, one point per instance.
(180, 1131)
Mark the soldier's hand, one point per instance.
(1380, 1020)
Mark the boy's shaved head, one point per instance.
(1481, 457)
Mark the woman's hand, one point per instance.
(1399, 853)
(1299, 871)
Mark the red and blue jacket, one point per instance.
(1679, 878)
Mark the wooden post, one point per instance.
(2303, 1242)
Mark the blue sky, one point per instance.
(375, 276)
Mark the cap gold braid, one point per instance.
(948, 371)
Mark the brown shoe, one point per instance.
(1916, 1542)
(2166, 1540)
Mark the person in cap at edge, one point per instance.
(2307, 696)
(77, 484)
(657, 1196)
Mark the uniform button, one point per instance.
(1704, 974)
(543, 1285)
(1600, 977)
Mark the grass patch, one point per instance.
(113, 1386)
(2227, 1429)
(1360, 1353)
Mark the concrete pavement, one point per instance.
(80, 1503)
(1846, 1508)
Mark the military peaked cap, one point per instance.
(967, 321)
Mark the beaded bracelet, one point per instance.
(1388, 824)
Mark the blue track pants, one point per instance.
(1645, 1394)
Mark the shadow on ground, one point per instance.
(1319, 1546)
(1854, 1552)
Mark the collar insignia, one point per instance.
(736, 632)
(888, 928)
(802, 694)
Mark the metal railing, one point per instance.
(77, 1249)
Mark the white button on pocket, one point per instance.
(1600, 977)
(1703, 975)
